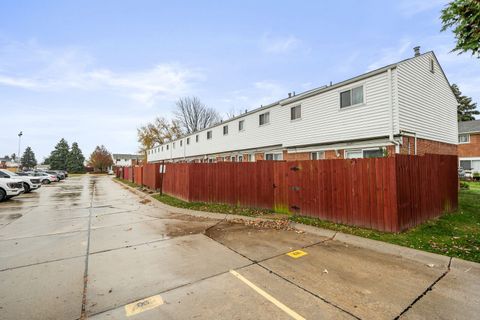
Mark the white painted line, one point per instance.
(280, 305)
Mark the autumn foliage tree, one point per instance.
(157, 132)
(100, 159)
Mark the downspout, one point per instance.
(391, 135)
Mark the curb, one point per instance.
(423, 257)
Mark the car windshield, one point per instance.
(9, 173)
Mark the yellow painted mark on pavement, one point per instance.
(277, 303)
(143, 305)
(297, 254)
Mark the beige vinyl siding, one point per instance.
(427, 105)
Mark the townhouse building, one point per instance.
(469, 145)
(406, 107)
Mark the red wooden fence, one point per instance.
(388, 194)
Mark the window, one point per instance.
(351, 97)
(295, 112)
(317, 155)
(240, 158)
(353, 154)
(174, 145)
(197, 138)
(373, 153)
(432, 66)
(118, 160)
(162, 148)
(167, 146)
(466, 164)
(209, 135)
(225, 130)
(463, 138)
(264, 118)
(188, 141)
(233, 158)
(241, 125)
(181, 143)
(4, 175)
(273, 156)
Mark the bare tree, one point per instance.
(158, 132)
(193, 115)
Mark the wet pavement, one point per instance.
(88, 247)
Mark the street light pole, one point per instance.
(18, 154)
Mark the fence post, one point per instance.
(162, 168)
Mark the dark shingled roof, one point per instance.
(469, 126)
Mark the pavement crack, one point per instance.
(85, 274)
(427, 290)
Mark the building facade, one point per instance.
(469, 145)
(125, 160)
(406, 107)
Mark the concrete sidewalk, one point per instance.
(90, 247)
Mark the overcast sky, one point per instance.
(93, 71)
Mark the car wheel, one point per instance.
(3, 195)
(45, 181)
(26, 187)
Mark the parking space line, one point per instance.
(267, 296)
(143, 305)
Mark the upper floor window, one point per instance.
(162, 148)
(197, 138)
(188, 140)
(181, 143)
(225, 130)
(295, 112)
(241, 125)
(264, 118)
(209, 135)
(351, 97)
(432, 66)
(173, 145)
(463, 138)
(167, 146)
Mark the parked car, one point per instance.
(60, 175)
(10, 188)
(29, 183)
(45, 178)
(110, 172)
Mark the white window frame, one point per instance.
(225, 127)
(350, 88)
(243, 125)
(274, 155)
(197, 138)
(188, 140)
(299, 106)
(432, 65)
(209, 135)
(362, 150)
(466, 135)
(317, 153)
(260, 116)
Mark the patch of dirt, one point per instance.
(145, 201)
(279, 224)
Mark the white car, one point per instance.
(29, 183)
(45, 178)
(10, 188)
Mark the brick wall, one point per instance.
(471, 149)
(427, 146)
(296, 156)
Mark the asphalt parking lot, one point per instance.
(88, 247)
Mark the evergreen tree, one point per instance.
(466, 109)
(75, 160)
(28, 159)
(58, 157)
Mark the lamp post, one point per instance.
(18, 154)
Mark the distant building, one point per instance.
(125, 160)
(407, 107)
(8, 162)
(469, 145)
